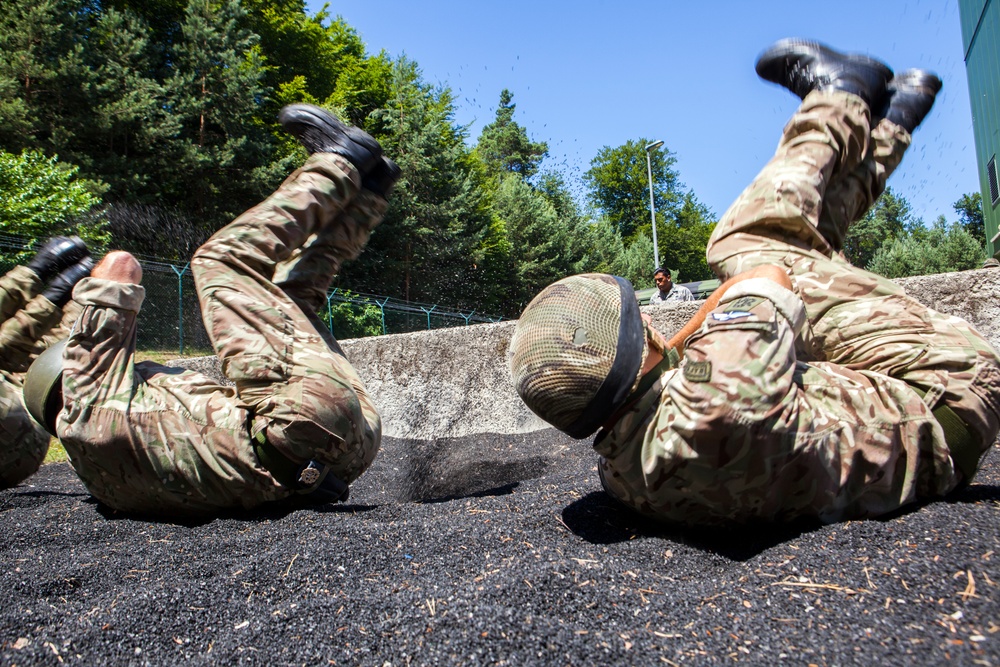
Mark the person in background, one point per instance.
(668, 291)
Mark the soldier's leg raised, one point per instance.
(301, 391)
(854, 318)
(951, 364)
(307, 275)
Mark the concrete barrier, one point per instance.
(455, 382)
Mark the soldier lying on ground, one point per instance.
(158, 440)
(804, 386)
(33, 315)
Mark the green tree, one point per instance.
(635, 262)
(126, 125)
(682, 240)
(887, 220)
(41, 197)
(619, 185)
(349, 317)
(220, 155)
(504, 144)
(43, 77)
(941, 249)
(970, 214)
(430, 244)
(542, 246)
(603, 248)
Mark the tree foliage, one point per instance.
(43, 198)
(887, 220)
(504, 145)
(939, 249)
(970, 215)
(537, 234)
(430, 243)
(619, 185)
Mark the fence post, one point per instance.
(466, 318)
(381, 309)
(428, 315)
(180, 306)
(329, 308)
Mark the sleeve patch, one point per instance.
(743, 303)
(698, 371)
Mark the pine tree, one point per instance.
(504, 145)
(429, 246)
(220, 155)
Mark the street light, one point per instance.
(652, 206)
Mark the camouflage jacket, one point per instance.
(151, 438)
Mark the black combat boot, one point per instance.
(60, 289)
(381, 179)
(319, 131)
(802, 66)
(57, 254)
(911, 95)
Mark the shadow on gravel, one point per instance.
(471, 466)
(436, 481)
(271, 512)
(975, 493)
(504, 490)
(28, 499)
(600, 519)
(969, 495)
(46, 494)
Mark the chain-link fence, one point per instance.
(171, 318)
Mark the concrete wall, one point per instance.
(455, 382)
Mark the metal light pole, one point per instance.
(652, 206)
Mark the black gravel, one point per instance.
(491, 549)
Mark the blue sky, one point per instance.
(589, 74)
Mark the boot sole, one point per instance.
(308, 115)
(773, 62)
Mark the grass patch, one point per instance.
(56, 453)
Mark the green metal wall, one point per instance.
(981, 40)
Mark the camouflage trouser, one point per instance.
(260, 280)
(818, 402)
(25, 320)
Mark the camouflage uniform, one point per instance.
(676, 293)
(30, 323)
(817, 401)
(153, 439)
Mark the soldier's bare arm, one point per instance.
(771, 272)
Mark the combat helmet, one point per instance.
(577, 351)
(43, 386)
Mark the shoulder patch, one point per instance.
(698, 371)
(743, 303)
(730, 315)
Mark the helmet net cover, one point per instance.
(577, 351)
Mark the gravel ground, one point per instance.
(491, 549)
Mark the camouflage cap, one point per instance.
(577, 351)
